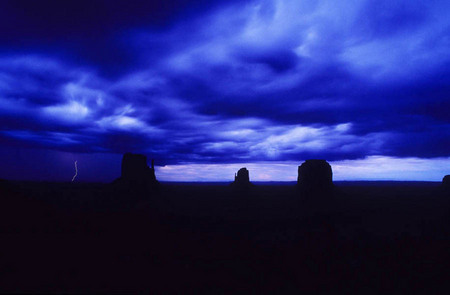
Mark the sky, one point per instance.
(207, 87)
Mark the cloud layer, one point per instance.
(240, 82)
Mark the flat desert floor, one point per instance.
(361, 238)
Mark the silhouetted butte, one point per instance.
(446, 184)
(242, 178)
(315, 176)
(135, 172)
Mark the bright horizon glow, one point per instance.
(373, 168)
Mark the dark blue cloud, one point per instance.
(227, 82)
(380, 19)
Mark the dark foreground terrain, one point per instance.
(363, 238)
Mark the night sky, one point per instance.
(207, 87)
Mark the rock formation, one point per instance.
(135, 172)
(242, 178)
(5, 187)
(315, 176)
(134, 167)
(446, 182)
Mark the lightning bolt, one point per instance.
(76, 171)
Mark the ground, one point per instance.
(361, 238)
